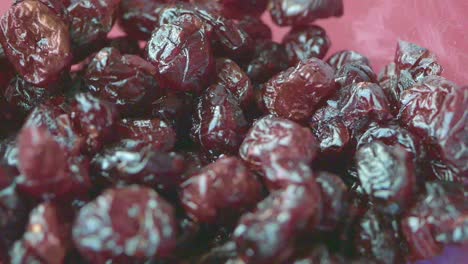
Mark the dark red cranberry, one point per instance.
(296, 92)
(154, 132)
(125, 45)
(234, 79)
(225, 253)
(273, 135)
(181, 53)
(388, 80)
(351, 73)
(319, 255)
(220, 192)
(279, 170)
(131, 162)
(266, 234)
(268, 59)
(94, 119)
(235, 8)
(343, 57)
(387, 175)
(9, 154)
(39, 51)
(127, 225)
(435, 111)
(332, 134)
(335, 199)
(255, 28)
(305, 42)
(125, 80)
(138, 18)
(299, 12)
(219, 125)
(437, 218)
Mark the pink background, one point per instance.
(373, 27)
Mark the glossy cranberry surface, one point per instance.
(140, 226)
(36, 42)
(220, 192)
(154, 132)
(235, 8)
(282, 137)
(279, 170)
(298, 12)
(335, 199)
(255, 28)
(268, 59)
(305, 42)
(138, 18)
(351, 73)
(234, 79)
(296, 92)
(343, 57)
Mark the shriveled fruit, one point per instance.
(305, 42)
(235, 80)
(235, 9)
(351, 73)
(299, 12)
(138, 18)
(255, 28)
(268, 59)
(154, 132)
(335, 199)
(343, 57)
(279, 170)
(319, 255)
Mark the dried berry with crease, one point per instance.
(138, 18)
(255, 28)
(296, 92)
(154, 132)
(220, 192)
(235, 9)
(181, 53)
(305, 42)
(36, 42)
(351, 73)
(299, 12)
(335, 199)
(279, 170)
(235, 80)
(343, 57)
(268, 59)
(140, 226)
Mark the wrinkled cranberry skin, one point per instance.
(268, 59)
(219, 125)
(48, 233)
(289, 211)
(298, 12)
(438, 217)
(154, 132)
(181, 53)
(138, 18)
(296, 92)
(343, 57)
(280, 171)
(131, 162)
(435, 111)
(335, 199)
(255, 28)
(279, 136)
(234, 79)
(39, 52)
(236, 9)
(387, 175)
(351, 73)
(124, 80)
(133, 213)
(94, 119)
(220, 192)
(305, 42)
(388, 80)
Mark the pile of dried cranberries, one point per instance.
(214, 144)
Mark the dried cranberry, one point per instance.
(94, 119)
(273, 135)
(335, 200)
(351, 73)
(131, 162)
(435, 111)
(320, 255)
(125, 80)
(437, 218)
(9, 154)
(343, 57)
(387, 174)
(138, 18)
(255, 28)
(57, 6)
(127, 225)
(279, 170)
(388, 80)
(297, 12)
(234, 79)
(154, 132)
(220, 192)
(226, 253)
(268, 59)
(266, 235)
(181, 52)
(296, 92)
(39, 52)
(219, 125)
(305, 42)
(125, 45)
(236, 8)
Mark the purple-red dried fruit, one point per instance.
(125, 45)
(181, 53)
(279, 170)
(127, 81)
(296, 92)
(266, 235)
(235, 80)
(127, 225)
(220, 192)
(36, 42)
(268, 59)
(219, 125)
(305, 42)
(343, 57)
(138, 18)
(388, 80)
(153, 132)
(300, 12)
(335, 200)
(274, 135)
(235, 8)
(319, 255)
(255, 28)
(351, 73)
